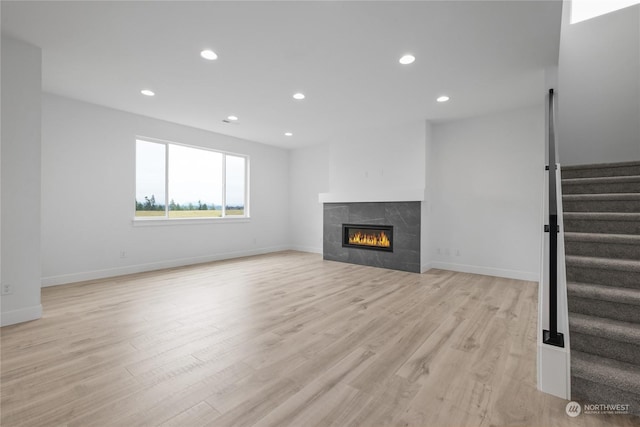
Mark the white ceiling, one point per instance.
(486, 55)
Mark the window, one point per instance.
(581, 10)
(177, 181)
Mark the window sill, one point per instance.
(151, 222)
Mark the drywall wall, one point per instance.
(88, 183)
(486, 192)
(20, 219)
(309, 175)
(599, 88)
(378, 159)
(425, 212)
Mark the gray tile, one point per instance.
(404, 216)
(366, 213)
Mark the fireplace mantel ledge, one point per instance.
(394, 195)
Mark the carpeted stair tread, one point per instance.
(603, 245)
(601, 180)
(607, 309)
(599, 170)
(608, 202)
(621, 375)
(604, 263)
(607, 328)
(603, 216)
(602, 185)
(602, 222)
(601, 197)
(604, 271)
(627, 239)
(605, 293)
(612, 339)
(601, 165)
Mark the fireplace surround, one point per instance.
(403, 217)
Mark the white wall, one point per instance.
(20, 220)
(309, 175)
(599, 88)
(379, 159)
(486, 192)
(88, 181)
(426, 249)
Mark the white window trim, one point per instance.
(165, 220)
(151, 222)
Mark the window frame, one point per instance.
(156, 220)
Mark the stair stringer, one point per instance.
(553, 363)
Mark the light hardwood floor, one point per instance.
(284, 339)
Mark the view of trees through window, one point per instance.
(197, 183)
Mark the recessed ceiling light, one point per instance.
(407, 59)
(298, 95)
(232, 118)
(288, 134)
(209, 54)
(147, 92)
(443, 98)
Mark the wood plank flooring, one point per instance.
(284, 339)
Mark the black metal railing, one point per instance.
(552, 336)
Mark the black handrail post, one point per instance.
(552, 336)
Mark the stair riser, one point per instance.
(598, 172)
(602, 250)
(625, 279)
(595, 226)
(604, 347)
(605, 309)
(585, 391)
(601, 205)
(618, 187)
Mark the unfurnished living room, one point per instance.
(320, 213)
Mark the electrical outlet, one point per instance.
(123, 254)
(7, 289)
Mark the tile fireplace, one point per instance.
(377, 234)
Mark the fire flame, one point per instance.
(370, 239)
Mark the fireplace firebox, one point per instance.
(365, 236)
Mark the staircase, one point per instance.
(602, 244)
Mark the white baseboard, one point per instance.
(425, 267)
(22, 315)
(140, 268)
(306, 249)
(487, 271)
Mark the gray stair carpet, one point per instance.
(601, 220)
